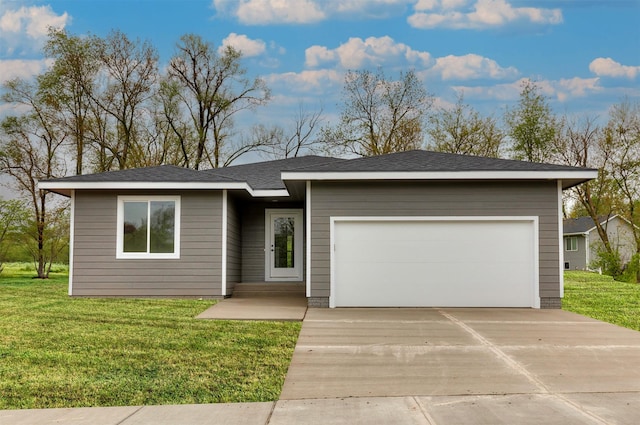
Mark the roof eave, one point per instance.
(65, 188)
(569, 178)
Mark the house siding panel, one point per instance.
(576, 259)
(253, 243)
(234, 245)
(332, 199)
(196, 273)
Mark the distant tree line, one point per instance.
(105, 104)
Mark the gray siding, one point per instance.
(435, 199)
(97, 272)
(253, 243)
(234, 245)
(577, 259)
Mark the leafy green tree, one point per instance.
(531, 125)
(462, 130)
(379, 115)
(11, 213)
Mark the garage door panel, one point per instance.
(434, 263)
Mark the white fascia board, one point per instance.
(441, 175)
(161, 185)
(576, 234)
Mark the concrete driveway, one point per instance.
(451, 366)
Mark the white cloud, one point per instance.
(562, 90)
(576, 87)
(247, 46)
(263, 12)
(470, 67)
(26, 28)
(607, 67)
(357, 53)
(25, 69)
(483, 14)
(309, 80)
(374, 51)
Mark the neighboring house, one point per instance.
(406, 229)
(582, 241)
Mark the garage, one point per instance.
(434, 262)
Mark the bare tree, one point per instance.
(298, 139)
(621, 143)
(578, 143)
(380, 116)
(462, 130)
(29, 152)
(129, 69)
(203, 92)
(69, 85)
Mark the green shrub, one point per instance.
(608, 262)
(631, 272)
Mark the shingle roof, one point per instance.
(160, 173)
(266, 175)
(581, 224)
(424, 161)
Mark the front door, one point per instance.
(283, 248)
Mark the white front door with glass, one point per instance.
(283, 247)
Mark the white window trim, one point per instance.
(574, 238)
(120, 254)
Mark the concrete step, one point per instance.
(268, 290)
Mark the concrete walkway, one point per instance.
(426, 366)
(280, 309)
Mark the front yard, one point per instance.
(57, 351)
(61, 352)
(602, 298)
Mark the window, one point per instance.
(571, 243)
(148, 227)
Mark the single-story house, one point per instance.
(582, 241)
(406, 229)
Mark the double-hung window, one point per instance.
(571, 243)
(148, 227)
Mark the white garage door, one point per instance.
(434, 263)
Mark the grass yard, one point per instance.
(602, 298)
(57, 351)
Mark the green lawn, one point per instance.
(57, 351)
(602, 298)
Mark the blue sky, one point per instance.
(584, 54)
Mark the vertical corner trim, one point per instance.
(223, 277)
(308, 238)
(71, 239)
(560, 241)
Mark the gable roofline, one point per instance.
(603, 220)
